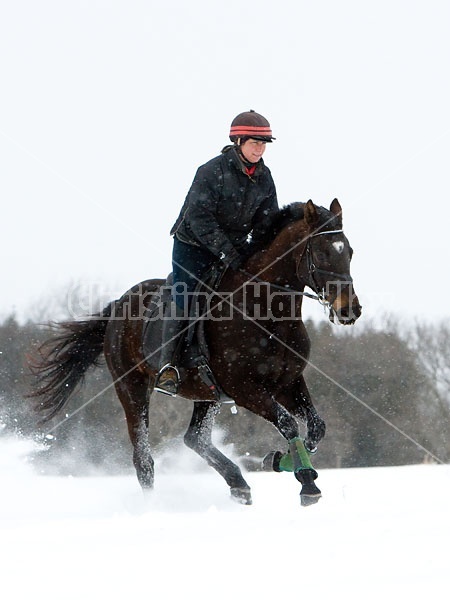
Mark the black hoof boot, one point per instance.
(271, 462)
(241, 495)
(310, 493)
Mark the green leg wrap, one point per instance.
(300, 455)
(297, 459)
(286, 463)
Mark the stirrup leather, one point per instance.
(206, 375)
(167, 385)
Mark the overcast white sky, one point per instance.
(108, 108)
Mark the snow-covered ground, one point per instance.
(376, 533)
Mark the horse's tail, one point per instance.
(62, 361)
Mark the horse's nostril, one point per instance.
(347, 315)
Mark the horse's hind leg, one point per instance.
(132, 392)
(198, 438)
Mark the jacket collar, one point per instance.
(236, 160)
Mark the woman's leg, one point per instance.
(190, 263)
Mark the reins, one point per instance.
(282, 288)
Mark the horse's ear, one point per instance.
(311, 214)
(336, 209)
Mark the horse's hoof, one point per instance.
(241, 495)
(309, 499)
(271, 462)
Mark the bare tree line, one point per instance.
(384, 394)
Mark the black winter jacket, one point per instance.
(224, 205)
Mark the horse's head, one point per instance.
(324, 262)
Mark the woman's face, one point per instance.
(253, 150)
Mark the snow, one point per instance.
(376, 533)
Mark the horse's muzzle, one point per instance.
(346, 308)
(346, 315)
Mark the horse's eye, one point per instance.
(321, 257)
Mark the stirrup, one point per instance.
(170, 384)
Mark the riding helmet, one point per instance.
(250, 124)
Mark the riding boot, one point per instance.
(168, 377)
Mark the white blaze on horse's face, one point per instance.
(338, 246)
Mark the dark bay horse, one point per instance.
(257, 352)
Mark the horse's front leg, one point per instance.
(298, 402)
(296, 460)
(198, 438)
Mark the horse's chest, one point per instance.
(267, 354)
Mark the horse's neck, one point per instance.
(275, 263)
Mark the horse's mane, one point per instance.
(294, 212)
(284, 217)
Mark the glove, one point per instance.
(234, 261)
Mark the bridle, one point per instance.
(312, 270)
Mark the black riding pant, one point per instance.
(190, 264)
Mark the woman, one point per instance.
(228, 208)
